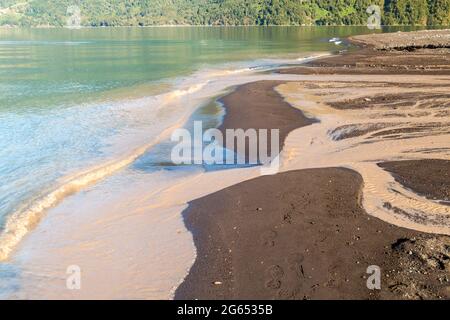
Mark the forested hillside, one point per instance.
(222, 12)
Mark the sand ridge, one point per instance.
(385, 132)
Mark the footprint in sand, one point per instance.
(273, 284)
(275, 273)
(268, 238)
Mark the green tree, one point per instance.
(223, 12)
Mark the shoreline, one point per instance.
(258, 239)
(97, 214)
(376, 55)
(22, 221)
(419, 27)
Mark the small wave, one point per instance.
(233, 71)
(308, 58)
(182, 92)
(19, 223)
(22, 221)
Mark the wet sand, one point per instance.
(306, 234)
(273, 112)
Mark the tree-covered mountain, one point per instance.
(222, 12)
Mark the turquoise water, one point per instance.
(68, 97)
(47, 68)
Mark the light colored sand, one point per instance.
(129, 242)
(313, 147)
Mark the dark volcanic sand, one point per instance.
(371, 61)
(430, 178)
(408, 53)
(272, 111)
(301, 235)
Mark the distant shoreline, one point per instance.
(223, 26)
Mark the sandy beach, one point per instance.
(365, 181)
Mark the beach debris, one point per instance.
(217, 283)
(367, 99)
(258, 209)
(273, 284)
(336, 41)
